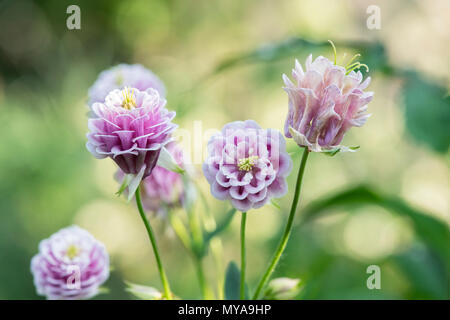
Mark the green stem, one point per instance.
(187, 243)
(217, 253)
(287, 231)
(243, 260)
(201, 278)
(165, 282)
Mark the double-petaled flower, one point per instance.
(131, 127)
(247, 165)
(71, 264)
(325, 101)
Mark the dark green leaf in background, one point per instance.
(427, 110)
(232, 282)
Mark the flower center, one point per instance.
(72, 251)
(246, 164)
(129, 102)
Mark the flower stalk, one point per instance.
(162, 274)
(287, 231)
(243, 255)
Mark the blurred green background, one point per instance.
(388, 204)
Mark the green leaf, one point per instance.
(427, 111)
(424, 271)
(221, 225)
(373, 53)
(430, 230)
(232, 282)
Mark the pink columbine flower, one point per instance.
(163, 188)
(325, 101)
(121, 76)
(130, 127)
(71, 264)
(247, 165)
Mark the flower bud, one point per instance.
(282, 289)
(325, 101)
(144, 292)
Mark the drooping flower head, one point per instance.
(324, 102)
(71, 264)
(130, 127)
(247, 165)
(121, 76)
(163, 188)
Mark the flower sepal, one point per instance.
(300, 139)
(167, 161)
(131, 182)
(143, 292)
(333, 152)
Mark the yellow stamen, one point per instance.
(352, 59)
(72, 251)
(246, 164)
(350, 64)
(356, 65)
(129, 102)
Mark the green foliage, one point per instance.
(373, 54)
(427, 110)
(425, 271)
(222, 225)
(427, 268)
(232, 282)
(430, 230)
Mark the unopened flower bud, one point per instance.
(282, 289)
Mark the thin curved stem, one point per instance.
(287, 230)
(165, 282)
(243, 258)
